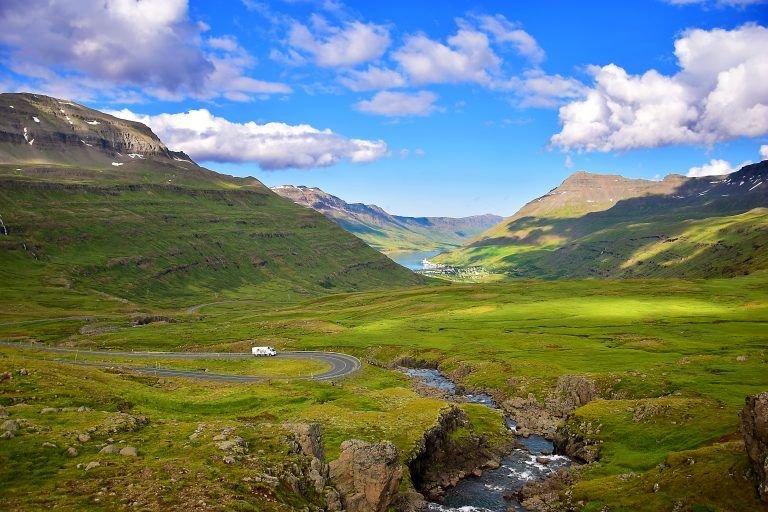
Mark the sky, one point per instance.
(439, 108)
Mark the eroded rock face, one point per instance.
(309, 437)
(578, 388)
(442, 459)
(754, 423)
(367, 476)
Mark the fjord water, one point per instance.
(412, 260)
(487, 493)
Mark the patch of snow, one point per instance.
(117, 164)
(135, 155)
(11, 106)
(26, 137)
(753, 188)
(35, 119)
(89, 145)
(740, 184)
(62, 111)
(2, 224)
(92, 123)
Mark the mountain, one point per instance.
(386, 232)
(608, 226)
(94, 204)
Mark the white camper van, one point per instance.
(264, 351)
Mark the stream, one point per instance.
(487, 493)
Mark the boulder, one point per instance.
(71, 452)
(6, 435)
(92, 465)
(754, 423)
(10, 425)
(3, 412)
(110, 449)
(83, 438)
(129, 451)
(367, 475)
(48, 410)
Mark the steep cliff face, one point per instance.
(754, 423)
(37, 128)
(448, 452)
(367, 476)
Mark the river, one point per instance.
(487, 493)
(412, 260)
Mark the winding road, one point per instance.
(342, 365)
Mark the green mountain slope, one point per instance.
(157, 228)
(609, 226)
(387, 232)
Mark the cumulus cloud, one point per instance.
(467, 57)
(399, 104)
(273, 146)
(337, 46)
(764, 151)
(152, 44)
(713, 168)
(372, 79)
(719, 94)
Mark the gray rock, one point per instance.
(129, 451)
(83, 438)
(10, 425)
(71, 452)
(7, 435)
(49, 445)
(110, 449)
(3, 412)
(48, 410)
(367, 475)
(309, 437)
(92, 465)
(754, 424)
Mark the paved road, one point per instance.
(342, 365)
(194, 309)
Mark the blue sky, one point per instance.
(424, 108)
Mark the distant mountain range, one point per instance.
(596, 225)
(92, 204)
(387, 232)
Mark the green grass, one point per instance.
(693, 349)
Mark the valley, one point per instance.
(618, 325)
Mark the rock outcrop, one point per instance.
(448, 452)
(754, 423)
(309, 437)
(367, 476)
(542, 417)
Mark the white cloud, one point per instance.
(764, 151)
(353, 43)
(538, 89)
(372, 79)
(715, 168)
(273, 146)
(719, 94)
(398, 104)
(504, 31)
(568, 162)
(151, 45)
(467, 57)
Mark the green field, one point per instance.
(685, 352)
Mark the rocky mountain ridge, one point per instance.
(609, 226)
(384, 230)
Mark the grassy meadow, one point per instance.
(673, 360)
